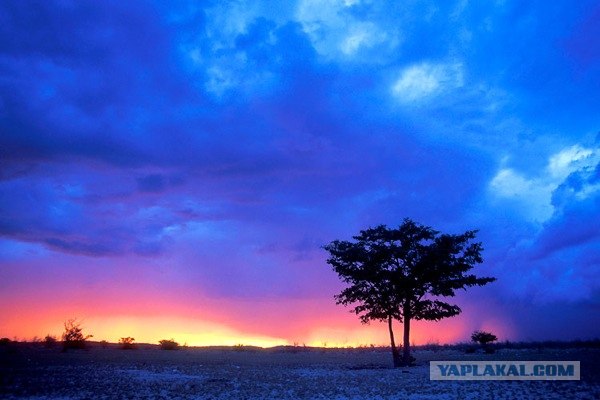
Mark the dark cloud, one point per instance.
(231, 153)
(95, 76)
(577, 202)
(78, 247)
(556, 263)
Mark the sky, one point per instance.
(172, 169)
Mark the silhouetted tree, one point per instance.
(403, 274)
(73, 337)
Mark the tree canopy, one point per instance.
(405, 273)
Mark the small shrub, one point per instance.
(127, 343)
(103, 344)
(168, 344)
(73, 337)
(239, 347)
(483, 337)
(5, 341)
(49, 341)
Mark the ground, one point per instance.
(34, 372)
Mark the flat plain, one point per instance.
(35, 372)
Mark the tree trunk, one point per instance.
(406, 358)
(395, 353)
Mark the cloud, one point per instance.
(257, 62)
(426, 81)
(572, 159)
(535, 194)
(557, 261)
(339, 33)
(363, 35)
(90, 97)
(221, 143)
(90, 212)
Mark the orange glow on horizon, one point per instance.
(202, 321)
(128, 300)
(195, 332)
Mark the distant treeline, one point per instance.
(465, 346)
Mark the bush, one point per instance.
(5, 341)
(50, 341)
(239, 347)
(103, 344)
(127, 343)
(483, 337)
(168, 344)
(73, 337)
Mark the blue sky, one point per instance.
(215, 146)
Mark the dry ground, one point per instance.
(149, 373)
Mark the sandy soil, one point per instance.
(39, 373)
